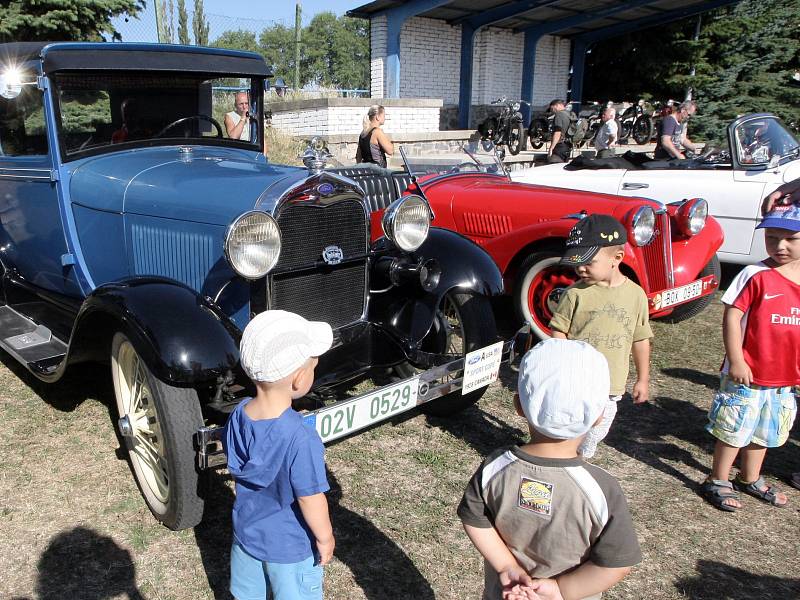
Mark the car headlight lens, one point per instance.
(406, 222)
(515, 106)
(253, 244)
(692, 215)
(643, 225)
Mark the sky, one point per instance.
(225, 14)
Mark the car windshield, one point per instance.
(760, 140)
(100, 110)
(472, 157)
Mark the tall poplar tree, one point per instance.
(200, 24)
(183, 24)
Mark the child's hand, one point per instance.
(546, 589)
(641, 391)
(325, 549)
(740, 372)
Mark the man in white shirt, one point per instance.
(606, 137)
(237, 122)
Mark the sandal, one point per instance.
(754, 488)
(717, 492)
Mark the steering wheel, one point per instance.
(467, 166)
(191, 118)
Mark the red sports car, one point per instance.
(671, 249)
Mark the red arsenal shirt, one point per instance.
(771, 303)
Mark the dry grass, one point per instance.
(74, 526)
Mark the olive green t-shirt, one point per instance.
(609, 318)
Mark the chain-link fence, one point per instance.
(144, 29)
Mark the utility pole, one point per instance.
(297, 16)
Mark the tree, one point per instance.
(200, 24)
(351, 54)
(63, 20)
(277, 46)
(166, 16)
(183, 24)
(239, 39)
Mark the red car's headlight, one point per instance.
(691, 216)
(642, 226)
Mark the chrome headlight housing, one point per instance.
(515, 106)
(691, 216)
(643, 226)
(406, 222)
(253, 244)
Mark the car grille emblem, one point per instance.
(332, 255)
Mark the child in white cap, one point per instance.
(282, 534)
(545, 521)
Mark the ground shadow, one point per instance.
(718, 581)
(81, 564)
(364, 548)
(708, 380)
(80, 382)
(482, 431)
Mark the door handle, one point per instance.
(635, 186)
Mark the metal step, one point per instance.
(31, 344)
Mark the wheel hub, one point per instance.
(126, 428)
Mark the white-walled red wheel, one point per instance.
(540, 284)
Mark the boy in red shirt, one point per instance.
(756, 404)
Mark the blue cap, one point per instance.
(785, 214)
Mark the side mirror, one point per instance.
(10, 84)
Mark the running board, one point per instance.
(33, 345)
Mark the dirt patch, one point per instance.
(74, 525)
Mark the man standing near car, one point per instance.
(560, 144)
(606, 137)
(672, 141)
(237, 122)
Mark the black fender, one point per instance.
(183, 337)
(408, 312)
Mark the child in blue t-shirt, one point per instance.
(282, 534)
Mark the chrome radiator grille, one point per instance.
(658, 255)
(335, 294)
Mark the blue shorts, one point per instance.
(253, 579)
(741, 415)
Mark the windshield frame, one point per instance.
(256, 93)
(467, 154)
(735, 143)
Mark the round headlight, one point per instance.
(643, 225)
(692, 215)
(515, 106)
(406, 222)
(253, 244)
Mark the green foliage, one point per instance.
(335, 51)
(166, 14)
(743, 61)
(183, 24)
(62, 20)
(200, 24)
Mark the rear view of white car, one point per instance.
(762, 154)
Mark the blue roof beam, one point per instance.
(395, 18)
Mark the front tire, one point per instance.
(515, 138)
(158, 421)
(540, 284)
(536, 133)
(643, 130)
(464, 322)
(695, 307)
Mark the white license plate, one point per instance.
(678, 295)
(343, 418)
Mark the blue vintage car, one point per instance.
(135, 231)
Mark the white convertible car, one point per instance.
(761, 154)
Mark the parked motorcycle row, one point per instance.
(639, 123)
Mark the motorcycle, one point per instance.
(636, 122)
(505, 129)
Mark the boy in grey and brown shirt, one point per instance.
(548, 524)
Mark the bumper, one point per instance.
(342, 418)
(664, 301)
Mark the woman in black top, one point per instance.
(373, 143)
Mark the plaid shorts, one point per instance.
(741, 414)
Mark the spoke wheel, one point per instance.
(642, 130)
(515, 139)
(157, 422)
(540, 285)
(464, 322)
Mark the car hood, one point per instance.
(207, 185)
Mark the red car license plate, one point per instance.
(684, 293)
